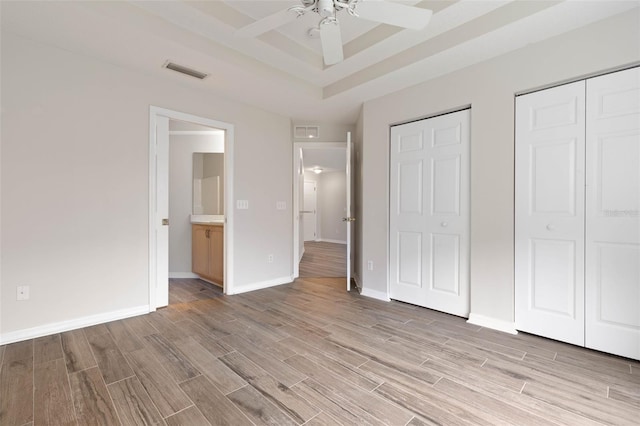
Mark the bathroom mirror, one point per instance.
(208, 183)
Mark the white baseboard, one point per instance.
(375, 294)
(301, 254)
(68, 325)
(183, 275)
(492, 323)
(326, 240)
(262, 284)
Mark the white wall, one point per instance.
(331, 204)
(489, 88)
(329, 132)
(332, 200)
(181, 172)
(74, 173)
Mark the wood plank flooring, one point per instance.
(323, 259)
(307, 353)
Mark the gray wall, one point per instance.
(75, 186)
(489, 88)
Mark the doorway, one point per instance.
(159, 198)
(321, 191)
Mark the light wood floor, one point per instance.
(307, 353)
(322, 259)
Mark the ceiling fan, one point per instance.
(385, 12)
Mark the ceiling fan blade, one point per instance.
(268, 23)
(397, 14)
(331, 41)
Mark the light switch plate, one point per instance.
(281, 205)
(242, 204)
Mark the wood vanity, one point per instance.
(207, 251)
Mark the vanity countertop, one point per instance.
(203, 219)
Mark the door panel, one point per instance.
(445, 263)
(410, 187)
(429, 214)
(445, 186)
(549, 205)
(613, 213)
(410, 258)
(553, 178)
(553, 276)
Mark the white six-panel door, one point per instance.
(613, 213)
(429, 213)
(549, 209)
(577, 242)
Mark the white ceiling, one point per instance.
(282, 70)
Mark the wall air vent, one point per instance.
(184, 70)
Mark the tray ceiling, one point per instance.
(282, 70)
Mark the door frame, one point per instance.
(297, 172)
(154, 113)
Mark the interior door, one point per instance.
(549, 211)
(349, 218)
(309, 211)
(429, 213)
(613, 213)
(162, 211)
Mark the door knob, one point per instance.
(444, 224)
(551, 227)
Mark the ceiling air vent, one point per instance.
(184, 70)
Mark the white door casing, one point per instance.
(549, 206)
(159, 198)
(613, 213)
(309, 212)
(349, 218)
(161, 216)
(429, 213)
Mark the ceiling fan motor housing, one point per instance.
(326, 8)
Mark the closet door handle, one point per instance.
(444, 224)
(551, 227)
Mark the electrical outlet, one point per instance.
(22, 292)
(370, 265)
(270, 258)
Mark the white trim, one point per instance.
(228, 191)
(375, 294)
(62, 326)
(182, 275)
(195, 132)
(492, 323)
(327, 240)
(263, 284)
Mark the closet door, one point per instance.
(429, 213)
(613, 213)
(549, 213)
